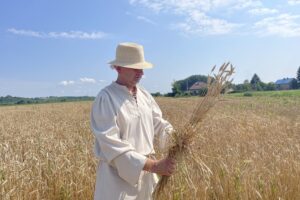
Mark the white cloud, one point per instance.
(102, 81)
(262, 11)
(293, 2)
(142, 18)
(155, 5)
(81, 80)
(57, 35)
(87, 80)
(183, 6)
(242, 4)
(200, 23)
(284, 25)
(197, 14)
(25, 32)
(213, 17)
(66, 83)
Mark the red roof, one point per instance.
(198, 85)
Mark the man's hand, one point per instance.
(165, 167)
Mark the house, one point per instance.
(197, 87)
(284, 84)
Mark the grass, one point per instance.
(277, 93)
(247, 148)
(182, 139)
(45, 152)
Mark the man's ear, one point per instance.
(118, 68)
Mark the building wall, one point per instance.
(283, 87)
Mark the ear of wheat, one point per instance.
(182, 139)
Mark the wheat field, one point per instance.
(246, 148)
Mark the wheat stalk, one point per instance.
(182, 139)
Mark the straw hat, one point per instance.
(130, 55)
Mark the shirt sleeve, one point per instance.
(115, 151)
(162, 128)
(129, 166)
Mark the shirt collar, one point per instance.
(122, 87)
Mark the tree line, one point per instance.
(255, 84)
(181, 87)
(10, 100)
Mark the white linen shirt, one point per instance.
(124, 129)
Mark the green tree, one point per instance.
(298, 75)
(156, 94)
(247, 85)
(242, 87)
(176, 88)
(181, 86)
(255, 79)
(256, 83)
(270, 86)
(294, 84)
(263, 85)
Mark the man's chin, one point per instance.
(133, 83)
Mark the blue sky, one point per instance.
(61, 47)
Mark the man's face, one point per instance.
(130, 76)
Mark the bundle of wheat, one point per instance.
(182, 139)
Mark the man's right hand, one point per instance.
(165, 166)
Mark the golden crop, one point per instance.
(246, 148)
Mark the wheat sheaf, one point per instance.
(182, 139)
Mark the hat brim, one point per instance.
(142, 65)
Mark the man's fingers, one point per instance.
(166, 167)
(173, 167)
(171, 161)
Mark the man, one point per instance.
(125, 119)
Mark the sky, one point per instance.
(62, 47)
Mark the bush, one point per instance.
(157, 94)
(21, 102)
(170, 94)
(248, 94)
(187, 94)
(202, 92)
